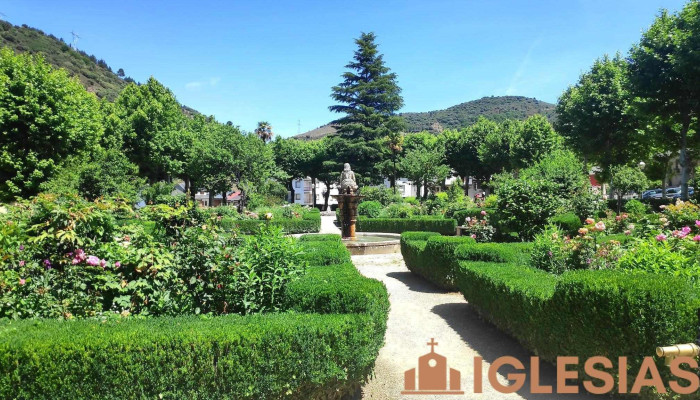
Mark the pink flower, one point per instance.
(92, 260)
(600, 226)
(22, 281)
(628, 232)
(686, 230)
(117, 264)
(80, 255)
(661, 237)
(21, 263)
(75, 261)
(473, 236)
(483, 212)
(697, 238)
(103, 263)
(697, 223)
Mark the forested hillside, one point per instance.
(94, 73)
(495, 108)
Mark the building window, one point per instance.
(297, 184)
(297, 196)
(307, 198)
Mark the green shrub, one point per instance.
(325, 252)
(549, 253)
(474, 212)
(513, 297)
(323, 348)
(296, 356)
(382, 194)
(412, 246)
(518, 253)
(636, 207)
(399, 225)
(336, 289)
(310, 222)
(525, 205)
(580, 313)
(369, 209)
(569, 223)
(612, 314)
(398, 211)
(437, 261)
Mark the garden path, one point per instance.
(421, 311)
(328, 224)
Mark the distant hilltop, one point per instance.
(496, 108)
(93, 73)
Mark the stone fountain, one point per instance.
(348, 199)
(362, 243)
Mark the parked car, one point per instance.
(649, 194)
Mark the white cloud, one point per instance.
(197, 85)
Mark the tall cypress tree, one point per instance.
(369, 97)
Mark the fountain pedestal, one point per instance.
(347, 204)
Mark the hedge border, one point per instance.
(324, 346)
(563, 315)
(444, 226)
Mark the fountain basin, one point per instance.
(366, 243)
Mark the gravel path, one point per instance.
(420, 311)
(328, 224)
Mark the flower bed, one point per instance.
(578, 313)
(323, 347)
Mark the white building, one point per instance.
(304, 190)
(304, 193)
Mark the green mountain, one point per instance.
(496, 108)
(93, 73)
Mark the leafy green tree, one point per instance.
(562, 168)
(110, 174)
(46, 117)
(369, 97)
(153, 130)
(535, 139)
(292, 157)
(496, 148)
(424, 162)
(596, 118)
(627, 179)
(665, 73)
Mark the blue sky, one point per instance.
(246, 61)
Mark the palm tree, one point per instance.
(264, 131)
(395, 144)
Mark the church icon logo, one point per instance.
(432, 377)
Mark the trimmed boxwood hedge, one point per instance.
(310, 222)
(580, 313)
(444, 226)
(432, 258)
(324, 347)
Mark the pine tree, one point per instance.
(369, 97)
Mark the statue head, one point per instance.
(346, 167)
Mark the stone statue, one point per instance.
(348, 185)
